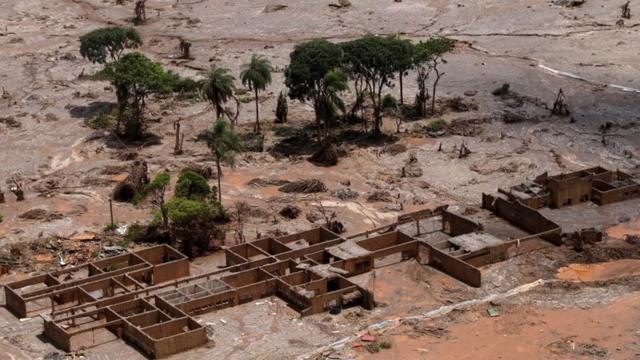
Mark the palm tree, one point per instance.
(256, 74)
(224, 144)
(328, 100)
(218, 88)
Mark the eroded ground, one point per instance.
(535, 46)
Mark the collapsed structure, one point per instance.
(149, 298)
(596, 184)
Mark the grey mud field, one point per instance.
(538, 47)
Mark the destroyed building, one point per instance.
(150, 299)
(596, 184)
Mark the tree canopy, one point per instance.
(110, 42)
(427, 57)
(308, 65)
(328, 101)
(191, 185)
(314, 74)
(372, 58)
(135, 76)
(403, 59)
(218, 88)
(256, 74)
(156, 189)
(224, 144)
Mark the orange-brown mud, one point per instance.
(600, 271)
(608, 331)
(620, 231)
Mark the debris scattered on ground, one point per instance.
(395, 149)
(379, 196)
(275, 7)
(304, 187)
(133, 184)
(325, 155)
(411, 168)
(263, 182)
(340, 4)
(41, 215)
(290, 212)
(345, 194)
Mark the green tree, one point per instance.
(430, 54)
(306, 75)
(191, 223)
(404, 54)
(156, 189)
(218, 88)
(135, 77)
(191, 185)
(282, 109)
(371, 58)
(328, 100)
(98, 44)
(224, 144)
(256, 74)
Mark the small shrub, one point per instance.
(134, 233)
(284, 131)
(502, 90)
(109, 227)
(436, 126)
(417, 129)
(385, 344)
(245, 99)
(373, 347)
(408, 111)
(192, 185)
(137, 199)
(101, 121)
(184, 87)
(241, 91)
(389, 102)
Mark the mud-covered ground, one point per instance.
(535, 46)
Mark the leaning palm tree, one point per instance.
(256, 74)
(218, 88)
(224, 144)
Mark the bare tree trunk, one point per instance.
(316, 103)
(257, 113)
(433, 92)
(177, 149)
(219, 110)
(219, 178)
(377, 113)
(164, 211)
(401, 89)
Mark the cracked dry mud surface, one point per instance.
(535, 46)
